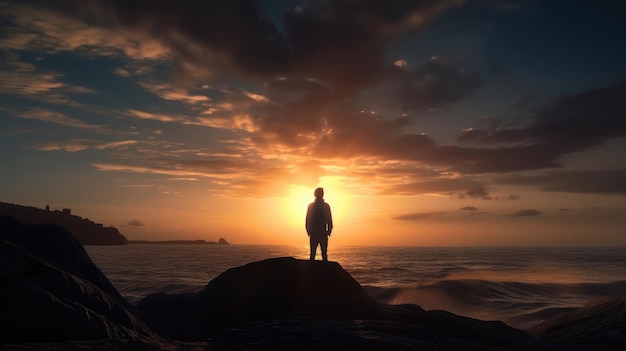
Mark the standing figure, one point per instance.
(319, 224)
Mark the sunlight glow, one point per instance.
(294, 205)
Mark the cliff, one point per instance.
(86, 231)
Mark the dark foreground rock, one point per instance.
(270, 289)
(51, 291)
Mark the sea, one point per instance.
(520, 286)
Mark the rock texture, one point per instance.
(50, 290)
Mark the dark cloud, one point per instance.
(514, 197)
(317, 69)
(478, 193)
(453, 186)
(609, 181)
(526, 213)
(434, 84)
(469, 208)
(562, 126)
(135, 223)
(417, 216)
(341, 42)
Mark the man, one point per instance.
(319, 224)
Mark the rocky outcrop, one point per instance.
(269, 289)
(286, 287)
(86, 231)
(283, 297)
(51, 291)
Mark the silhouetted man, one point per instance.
(319, 224)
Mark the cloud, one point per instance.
(235, 176)
(311, 89)
(435, 84)
(478, 193)
(27, 81)
(417, 216)
(51, 28)
(159, 170)
(135, 223)
(116, 144)
(606, 181)
(155, 116)
(69, 146)
(51, 116)
(469, 208)
(341, 42)
(454, 186)
(169, 92)
(526, 213)
(562, 126)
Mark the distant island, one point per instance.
(86, 231)
(222, 241)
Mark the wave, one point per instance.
(134, 291)
(521, 305)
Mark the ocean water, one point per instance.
(517, 285)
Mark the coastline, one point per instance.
(178, 242)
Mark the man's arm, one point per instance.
(330, 220)
(307, 220)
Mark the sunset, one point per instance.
(446, 123)
(459, 148)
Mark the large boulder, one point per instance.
(51, 291)
(57, 246)
(284, 302)
(285, 288)
(273, 288)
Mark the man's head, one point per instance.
(319, 193)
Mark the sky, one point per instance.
(428, 123)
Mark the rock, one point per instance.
(55, 245)
(269, 289)
(285, 288)
(51, 291)
(223, 241)
(284, 302)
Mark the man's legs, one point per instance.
(324, 247)
(313, 243)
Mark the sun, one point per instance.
(299, 197)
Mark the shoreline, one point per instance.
(182, 242)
